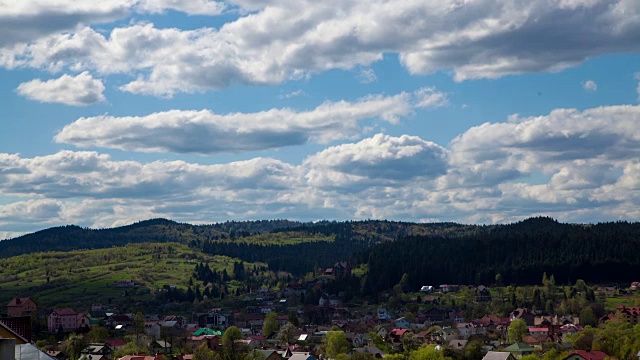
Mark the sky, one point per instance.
(203, 111)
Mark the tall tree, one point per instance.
(335, 343)
(270, 324)
(516, 330)
(427, 352)
(229, 338)
(203, 353)
(75, 345)
(138, 325)
(285, 335)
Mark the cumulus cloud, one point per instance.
(68, 174)
(205, 132)
(80, 90)
(379, 158)
(278, 40)
(430, 97)
(25, 21)
(590, 85)
(496, 152)
(569, 164)
(191, 7)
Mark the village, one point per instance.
(275, 325)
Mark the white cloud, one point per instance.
(569, 164)
(205, 132)
(24, 21)
(292, 94)
(590, 85)
(191, 7)
(80, 90)
(367, 76)
(381, 158)
(430, 97)
(496, 152)
(280, 40)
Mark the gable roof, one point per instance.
(497, 355)
(207, 331)
(519, 347)
(116, 342)
(397, 332)
(30, 352)
(589, 355)
(64, 311)
(19, 301)
(14, 332)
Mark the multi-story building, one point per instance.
(66, 318)
(21, 307)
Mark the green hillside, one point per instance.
(81, 277)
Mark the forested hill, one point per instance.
(222, 237)
(71, 237)
(519, 252)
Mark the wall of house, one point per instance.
(5, 333)
(7, 348)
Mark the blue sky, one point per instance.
(204, 111)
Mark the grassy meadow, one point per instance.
(81, 277)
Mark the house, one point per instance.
(456, 317)
(160, 347)
(359, 339)
(214, 319)
(498, 355)
(377, 353)
(426, 289)
(152, 328)
(382, 314)
(482, 294)
(458, 344)
(83, 321)
(465, 330)
(341, 269)
(383, 331)
(21, 307)
(449, 288)
(424, 336)
(10, 333)
(20, 325)
(396, 335)
(212, 341)
(29, 351)
(524, 314)
(116, 344)
(121, 319)
(537, 331)
(519, 349)
(447, 334)
(630, 314)
(436, 315)
(301, 356)
(65, 319)
(587, 355)
(402, 323)
(269, 355)
(98, 351)
(635, 286)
